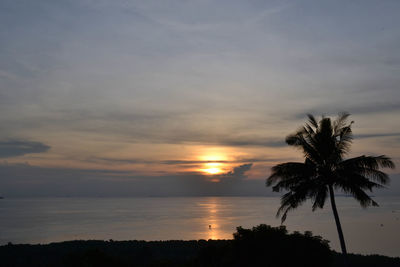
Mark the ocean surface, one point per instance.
(375, 230)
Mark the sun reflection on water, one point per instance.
(213, 220)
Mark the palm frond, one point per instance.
(360, 195)
(349, 180)
(368, 173)
(367, 166)
(344, 137)
(312, 120)
(290, 201)
(289, 170)
(320, 197)
(298, 140)
(340, 122)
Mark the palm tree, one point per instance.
(324, 145)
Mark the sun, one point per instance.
(213, 161)
(212, 168)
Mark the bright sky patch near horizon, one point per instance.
(131, 94)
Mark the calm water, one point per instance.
(374, 230)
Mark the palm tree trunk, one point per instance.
(338, 226)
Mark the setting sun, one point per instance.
(212, 168)
(214, 163)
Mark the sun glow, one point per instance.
(213, 163)
(212, 168)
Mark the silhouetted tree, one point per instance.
(268, 246)
(324, 145)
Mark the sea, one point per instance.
(375, 230)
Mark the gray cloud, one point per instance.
(22, 180)
(120, 161)
(373, 135)
(153, 126)
(255, 141)
(179, 162)
(16, 148)
(239, 171)
(332, 109)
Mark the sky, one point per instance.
(173, 98)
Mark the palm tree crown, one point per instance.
(324, 145)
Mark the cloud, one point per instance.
(23, 180)
(243, 160)
(364, 108)
(17, 148)
(180, 162)
(264, 142)
(373, 135)
(120, 161)
(239, 171)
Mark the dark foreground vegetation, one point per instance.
(261, 246)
